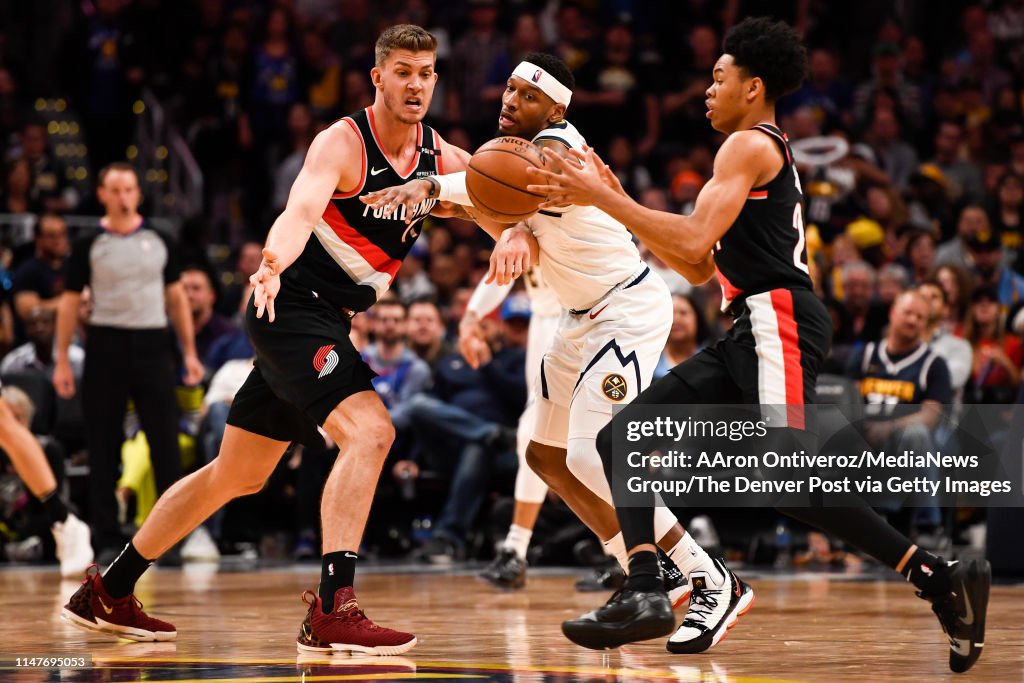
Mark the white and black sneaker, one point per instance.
(717, 600)
(676, 585)
(961, 612)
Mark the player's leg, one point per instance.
(74, 548)
(508, 569)
(361, 427)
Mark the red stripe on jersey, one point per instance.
(374, 255)
(362, 170)
(729, 291)
(762, 194)
(376, 138)
(782, 303)
(437, 146)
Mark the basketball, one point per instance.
(496, 179)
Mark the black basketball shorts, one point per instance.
(771, 356)
(305, 366)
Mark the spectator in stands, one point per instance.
(210, 326)
(474, 52)
(426, 333)
(38, 354)
(990, 269)
(963, 178)
(954, 350)
(827, 96)
(320, 73)
(1008, 214)
(688, 335)
(893, 280)
(973, 220)
(920, 253)
(39, 281)
(887, 139)
(956, 282)
(888, 80)
(997, 353)
(17, 198)
(132, 271)
(474, 413)
(412, 282)
(863, 317)
(300, 130)
(401, 374)
(50, 188)
(899, 371)
(236, 292)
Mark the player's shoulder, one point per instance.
(748, 149)
(563, 132)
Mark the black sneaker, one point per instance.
(676, 585)
(507, 571)
(718, 599)
(627, 617)
(607, 578)
(961, 612)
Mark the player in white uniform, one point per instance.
(616, 318)
(508, 570)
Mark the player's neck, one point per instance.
(392, 134)
(758, 116)
(901, 347)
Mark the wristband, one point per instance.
(452, 188)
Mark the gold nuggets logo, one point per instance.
(614, 387)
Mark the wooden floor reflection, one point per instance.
(242, 626)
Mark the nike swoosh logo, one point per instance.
(598, 312)
(968, 618)
(739, 591)
(377, 171)
(108, 610)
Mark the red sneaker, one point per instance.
(92, 608)
(347, 629)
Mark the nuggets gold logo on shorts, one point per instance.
(614, 387)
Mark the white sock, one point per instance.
(616, 547)
(518, 540)
(690, 557)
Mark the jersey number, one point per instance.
(798, 225)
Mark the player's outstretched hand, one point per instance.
(266, 282)
(391, 199)
(511, 256)
(564, 182)
(472, 344)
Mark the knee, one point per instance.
(372, 436)
(233, 483)
(544, 464)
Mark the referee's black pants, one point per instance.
(122, 363)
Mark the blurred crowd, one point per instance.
(908, 135)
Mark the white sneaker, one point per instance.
(74, 546)
(200, 547)
(717, 601)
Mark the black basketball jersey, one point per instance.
(886, 382)
(354, 253)
(765, 247)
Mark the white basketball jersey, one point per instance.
(542, 298)
(584, 252)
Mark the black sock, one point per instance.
(928, 573)
(337, 570)
(644, 572)
(120, 577)
(54, 507)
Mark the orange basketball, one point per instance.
(496, 179)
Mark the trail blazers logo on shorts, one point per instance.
(325, 360)
(614, 387)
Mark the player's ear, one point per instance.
(557, 114)
(755, 86)
(375, 77)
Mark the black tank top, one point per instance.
(354, 252)
(765, 248)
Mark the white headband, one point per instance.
(548, 84)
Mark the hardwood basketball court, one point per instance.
(235, 626)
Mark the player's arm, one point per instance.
(324, 170)
(738, 165)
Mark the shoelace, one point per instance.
(357, 615)
(702, 604)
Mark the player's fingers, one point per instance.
(492, 270)
(270, 309)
